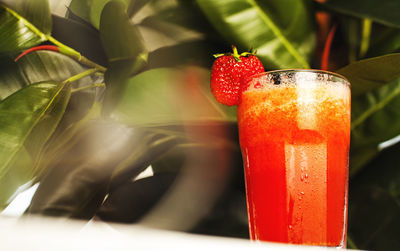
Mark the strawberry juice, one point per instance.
(294, 130)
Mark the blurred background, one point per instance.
(138, 137)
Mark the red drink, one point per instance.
(294, 129)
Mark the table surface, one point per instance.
(38, 233)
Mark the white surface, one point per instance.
(59, 234)
(20, 203)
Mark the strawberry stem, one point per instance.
(235, 54)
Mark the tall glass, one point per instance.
(294, 130)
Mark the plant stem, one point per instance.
(66, 50)
(81, 75)
(365, 36)
(88, 87)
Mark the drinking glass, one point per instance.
(294, 131)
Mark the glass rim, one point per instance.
(316, 71)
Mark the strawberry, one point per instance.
(227, 73)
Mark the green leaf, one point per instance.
(51, 66)
(36, 12)
(95, 11)
(159, 33)
(68, 131)
(11, 77)
(368, 74)
(375, 98)
(376, 191)
(27, 119)
(48, 65)
(124, 48)
(385, 40)
(175, 34)
(385, 12)
(164, 96)
(282, 32)
(97, 7)
(135, 6)
(374, 115)
(121, 38)
(16, 32)
(80, 8)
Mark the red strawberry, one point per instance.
(228, 71)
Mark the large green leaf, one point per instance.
(80, 8)
(368, 74)
(51, 66)
(68, 131)
(46, 65)
(376, 191)
(37, 12)
(16, 32)
(281, 31)
(11, 77)
(164, 96)
(159, 33)
(27, 119)
(96, 9)
(385, 12)
(124, 48)
(385, 40)
(170, 23)
(375, 115)
(121, 38)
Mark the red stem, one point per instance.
(327, 48)
(38, 48)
